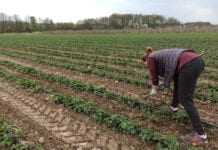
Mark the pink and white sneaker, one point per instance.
(194, 137)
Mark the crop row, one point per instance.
(83, 61)
(92, 63)
(117, 59)
(73, 67)
(180, 117)
(81, 56)
(75, 84)
(10, 137)
(208, 92)
(210, 96)
(147, 108)
(114, 121)
(126, 44)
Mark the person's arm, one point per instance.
(152, 68)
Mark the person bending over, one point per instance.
(183, 66)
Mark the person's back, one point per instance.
(183, 67)
(166, 63)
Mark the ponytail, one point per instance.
(149, 50)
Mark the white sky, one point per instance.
(74, 10)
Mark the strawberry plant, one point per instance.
(116, 122)
(180, 116)
(101, 115)
(149, 136)
(26, 83)
(168, 142)
(10, 137)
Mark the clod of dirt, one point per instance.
(41, 140)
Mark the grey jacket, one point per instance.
(166, 62)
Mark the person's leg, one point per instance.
(186, 85)
(175, 101)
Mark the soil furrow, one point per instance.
(58, 123)
(123, 89)
(108, 83)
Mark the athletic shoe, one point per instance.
(194, 137)
(173, 109)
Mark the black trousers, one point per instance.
(184, 86)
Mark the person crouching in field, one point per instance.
(184, 67)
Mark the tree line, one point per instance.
(115, 21)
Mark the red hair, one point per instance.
(149, 50)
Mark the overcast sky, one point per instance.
(74, 10)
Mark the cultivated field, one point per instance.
(86, 91)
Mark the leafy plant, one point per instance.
(168, 142)
(149, 136)
(101, 115)
(10, 137)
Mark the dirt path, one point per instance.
(73, 130)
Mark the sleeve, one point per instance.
(152, 68)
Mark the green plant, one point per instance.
(149, 136)
(10, 137)
(168, 142)
(101, 115)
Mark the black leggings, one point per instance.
(184, 86)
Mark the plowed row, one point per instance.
(64, 128)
